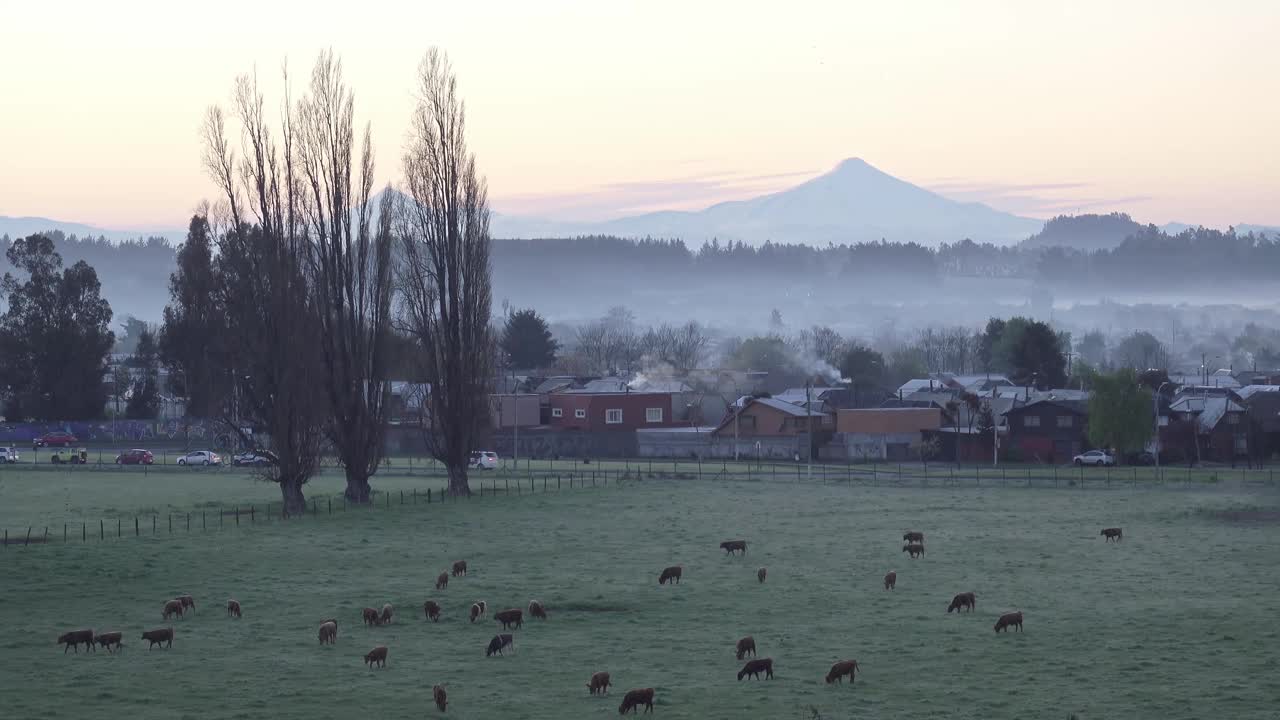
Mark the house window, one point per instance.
(1242, 444)
(651, 415)
(1233, 419)
(557, 412)
(1064, 421)
(613, 416)
(1031, 421)
(580, 413)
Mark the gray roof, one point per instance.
(551, 385)
(1249, 391)
(788, 408)
(1210, 410)
(660, 386)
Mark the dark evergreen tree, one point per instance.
(527, 341)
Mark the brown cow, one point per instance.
(442, 581)
(233, 608)
(912, 536)
(634, 699)
(74, 639)
(671, 574)
(160, 636)
(442, 700)
(761, 573)
(376, 656)
(962, 601)
(914, 550)
(371, 616)
(387, 613)
(599, 683)
(1013, 619)
(513, 616)
(499, 642)
(744, 646)
(431, 609)
(537, 610)
(890, 580)
(328, 632)
(1112, 534)
(109, 640)
(753, 668)
(187, 601)
(460, 568)
(732, 546)
(842, 668)
(475, 611)
(171, 608)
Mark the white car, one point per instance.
(8, 455)
(252, 459)
(200, 457)
(483, 460)
(1094, 457)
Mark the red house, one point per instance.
(610, 411)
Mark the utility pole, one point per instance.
(1155, 402)
(808, 402)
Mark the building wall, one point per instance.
(759, 420)
(596, 407)
(870, 447)
(1047, 442)
(506, 410)
(707, 445)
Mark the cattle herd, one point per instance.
(513, 618)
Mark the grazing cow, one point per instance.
(431, 609)
(442, 581)
(171, 608)
(753, 668)
(744, 646)
(537, 610)
(634, 699)
(387, 613)
(187, 601)
(328, 632)
(74, 638)
(1013, 619)
(160, 636)
(484, 607)
(460, 568)
(442, 700)
(914, 550)
(732, 546)
(842, 668)
(1112, 534)
(599, 683)
(475, 611)
(671, 574)
(514, 616)
(371, 616)
(760, 574)
(233, 608)
(376, 656)
(962, 601)
(109, 640)
(499, 642)
(912, 536)
(890, 580)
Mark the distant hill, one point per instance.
(853, 203)
(1085, 232)
(18, 227)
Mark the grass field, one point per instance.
(1178, 621)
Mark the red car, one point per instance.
(56, 439)
(135, 457)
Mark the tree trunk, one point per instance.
(291, 495)
(458, 480)
(358, 490)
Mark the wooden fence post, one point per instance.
(136, 532)
(153, 524)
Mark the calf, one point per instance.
(732, 546)
(599, 683)
(913, 537)
(109, 640)
(442, 700)
(328, 632)
(376, 656)
(460, 568)
(671, 574)
(913, 549)
(187, 601)
(499, 642)
(1013, 619)
(514, 616)
(841, 669)
(537, 610)
(233, 608)
(431, 609)
(475, 611)
(761, 573)
(442, 581)
(1110, 534)
(962, 601)
(387, 613)
(744, 646)
(753, 668)
(171, 608)
(371, 616)
(160, 636)
(890, 580)
(634, 699)
(75, 638)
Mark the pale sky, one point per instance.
(1167, 110)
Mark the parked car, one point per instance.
(136, 456)
(1094, 457)
(8, 455)
(250, 459)
(200, 457)
(1140, 458)
(67, 456)
(56, 438)
(483, 460)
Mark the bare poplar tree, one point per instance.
(445, 281)
(351, 272)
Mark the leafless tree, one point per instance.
(262, 281)
(351, 272)
(611, 344)
(682, 347)
(445, 282)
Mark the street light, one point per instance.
(1155, 403)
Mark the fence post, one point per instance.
(188, 522)
(557, 482)
(102, 529)
(28, 540)
(6, 539)
(204, 525)
(64, 533)
(153, 524)
(117, 527)
(428, 496)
